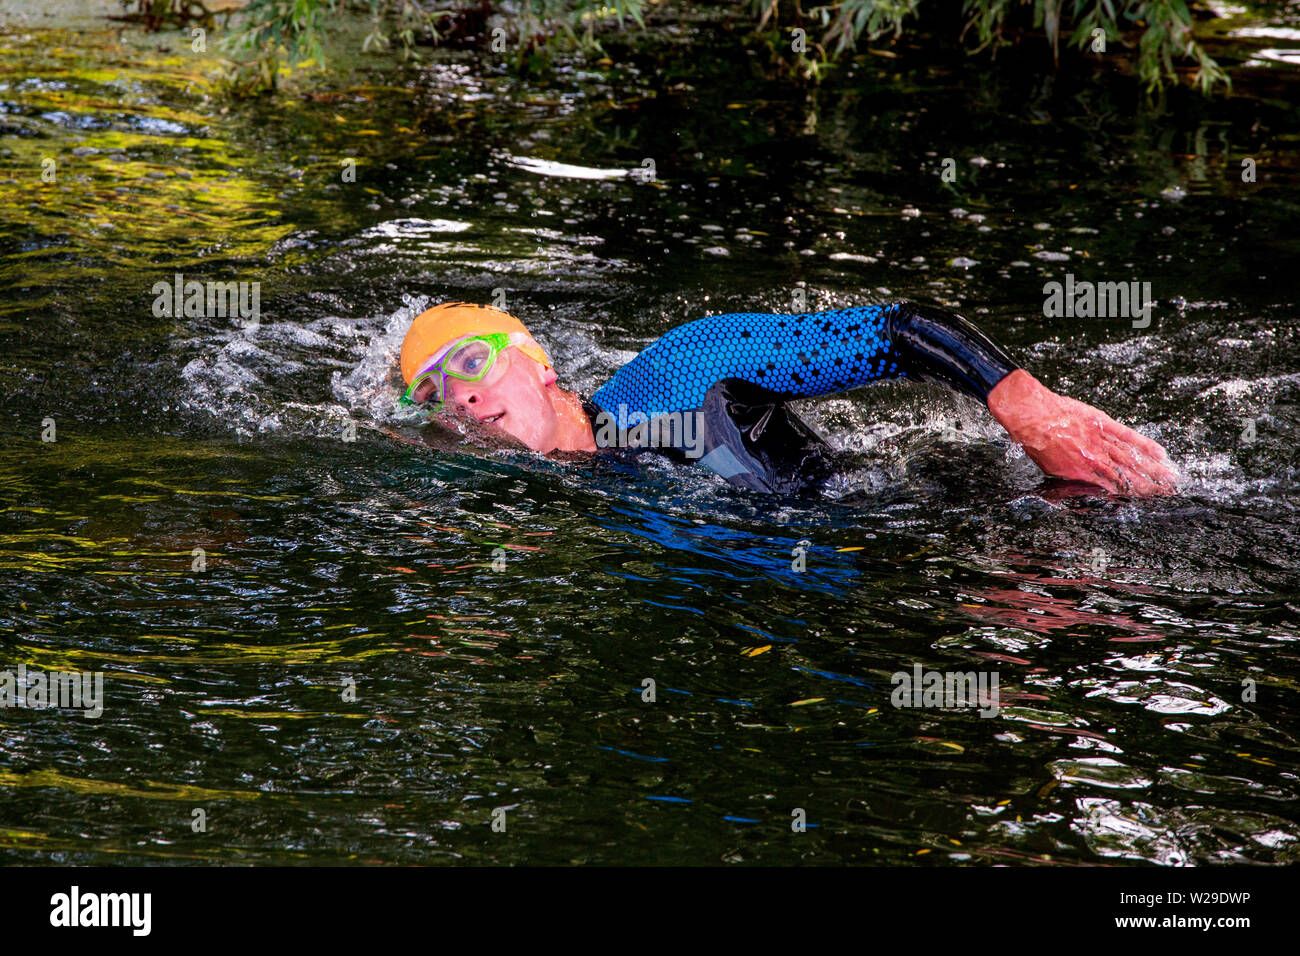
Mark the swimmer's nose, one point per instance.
(466, 396)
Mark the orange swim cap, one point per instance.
(443, 324)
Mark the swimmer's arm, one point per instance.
(799, 356)
(1065, 438)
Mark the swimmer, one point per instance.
(716, 391)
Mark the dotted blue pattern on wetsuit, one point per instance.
(793, 355)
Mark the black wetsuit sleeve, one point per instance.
(943, 346)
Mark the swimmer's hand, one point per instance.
(1069, 439)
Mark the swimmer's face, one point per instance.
(516, 398)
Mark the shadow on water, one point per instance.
(204, 534)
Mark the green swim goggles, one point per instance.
(471, 359)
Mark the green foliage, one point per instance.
(276, 29)
(543, 27)
(1166, 33)
(853, 18)
(399, 21)
(1165, 28)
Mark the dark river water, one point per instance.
(326, 637)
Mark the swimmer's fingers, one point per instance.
(1135, 474)
(1146, 472)
(1123, 433)
(1117, 476)
(1128, 462)
(1133, 482)
(1109, 454)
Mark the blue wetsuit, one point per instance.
(735, 373)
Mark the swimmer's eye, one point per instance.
(472, 360)
(425, 392)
